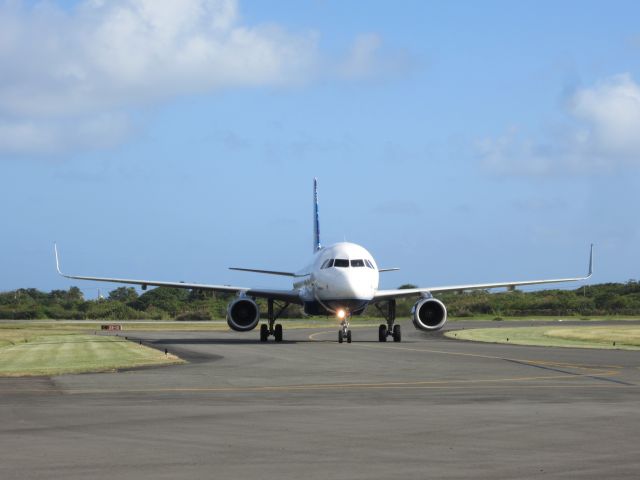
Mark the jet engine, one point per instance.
(243, 314)
(429, 314)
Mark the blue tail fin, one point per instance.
(316, 218)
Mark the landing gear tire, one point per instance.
(344, 333)
(397, 333)
(273, 315)
(277, 332)
(382, 333)
(264, 332)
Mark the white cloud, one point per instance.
(124, 51)
(68, 73)
(367, 58)
(601, 135)
(64, 71)
(611, 112)
(362, 58)
(57, 136)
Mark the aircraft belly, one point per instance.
(355, 306)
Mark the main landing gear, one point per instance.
(390, 329)
(272, 316)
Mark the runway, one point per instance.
(428, 407)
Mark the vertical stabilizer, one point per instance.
(316, 218)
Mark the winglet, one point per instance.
(316, 218)
(590, 262)
(55, 249)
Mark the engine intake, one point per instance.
(243, 314)
(429, 314)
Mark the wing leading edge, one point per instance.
(290, 296)
(410, 292)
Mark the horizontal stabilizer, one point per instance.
(268, 272)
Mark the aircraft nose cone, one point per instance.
(348, 287)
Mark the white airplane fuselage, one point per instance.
(343, 276)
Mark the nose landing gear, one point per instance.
(344, 333)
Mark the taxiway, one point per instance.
(428, 407)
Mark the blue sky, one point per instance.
(459, 141)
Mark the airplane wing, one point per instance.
(411, 292)
(290, 296)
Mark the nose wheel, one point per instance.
(344, 333)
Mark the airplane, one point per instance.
(341, 280)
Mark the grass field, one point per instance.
(34, 351)
(548, 318)
(221, 325)
(51, 347)
(89, 326)
(613, 336)
(56, 347)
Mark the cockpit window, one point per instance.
(369, 264)
(339, 262)
(327, 263)
(357, 263)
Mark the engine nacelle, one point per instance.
(243, 314)
(429, 314)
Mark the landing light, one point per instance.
(341, 314)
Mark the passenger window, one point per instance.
(339, 262)
(357, 263)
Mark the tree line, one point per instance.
(124, 303)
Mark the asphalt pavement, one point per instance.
(311, 408)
